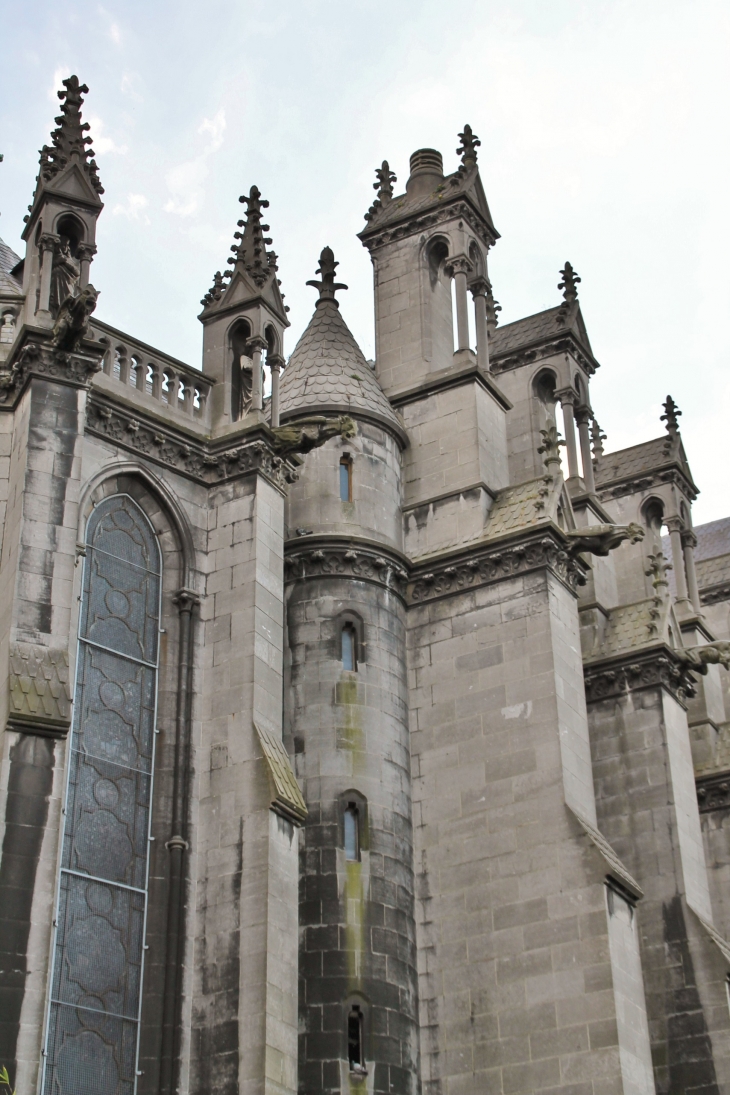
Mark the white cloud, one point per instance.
(103, 144)
(185, 182)
(216, 127)
(133, 209)
(62, 72)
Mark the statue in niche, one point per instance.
(245, 384)
(65, 275)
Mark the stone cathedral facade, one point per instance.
(361, 734)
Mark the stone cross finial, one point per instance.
(657, 571)
(69, 140)
(384, 185)
(597, 439)
(327, 286)
(468, 147)
(670, 416)
(550, 448)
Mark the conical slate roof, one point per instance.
(328, 372)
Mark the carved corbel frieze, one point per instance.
(653, 668)
(346, 560)
(176, 450)
(484, 568)
(41, 359)
(713, 792)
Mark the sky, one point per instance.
(604, 142)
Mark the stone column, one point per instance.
(85, 254)
(275, 363)
(689, 543)
(674, 525)
(458, 268)
(258, 345)
(567, 397)
(48, 243)
(479, 295)
(583, 417)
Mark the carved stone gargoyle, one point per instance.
(600, 539)
(72, 322)
(309, 433)
(699, 657)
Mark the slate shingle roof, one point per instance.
(713, 539)
(459, 184)
(629, 626)
(712, 572)
(8, 259)
(535, 329)
(328, 371)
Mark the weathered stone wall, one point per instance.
(516, 985)
(350, 734)
(647, 809)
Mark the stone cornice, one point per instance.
(712, 595)
(345, 557)
(36, 356)
(650, 480)
(483, 564)
(565, 342)
(445, 379)
(713, 792)
(205, 462)
(421, 220)
(657, 666)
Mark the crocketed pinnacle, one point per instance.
(670, 416)
(569, 285)
(251, 252)
(328, 372)
(69, 141)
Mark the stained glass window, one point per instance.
(96, 989)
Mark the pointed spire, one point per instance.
(597, 439)
(327, 286)
(384, 185)
(468, 148)
(69, 140)
(251, 252)
(670, 416)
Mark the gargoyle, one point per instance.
(699, 657)
(72, 321)
(600, 539)
(309, 433)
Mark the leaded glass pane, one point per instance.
(93, 1026)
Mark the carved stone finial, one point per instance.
(569, 283)
(69, 141)
(550, 448)
(670, 416)
(467, 149)
(72, 326)
(493, 306)
(327, 286)
(309, 433)
(384, 185)
(597, 439)
(657, 571)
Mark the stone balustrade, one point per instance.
(155, 377)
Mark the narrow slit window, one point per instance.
(355, 1053)
(349, 648)
(352, 835)
(346, 479)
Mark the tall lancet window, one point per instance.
(96, 991)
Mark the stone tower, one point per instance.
(358, 734)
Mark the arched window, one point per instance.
(351, 819)
(349, 647)
(93, 1021)
(346, 478)
(355, 1039)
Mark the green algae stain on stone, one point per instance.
(354, 924)
(349, 698)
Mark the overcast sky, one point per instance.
(604, 129)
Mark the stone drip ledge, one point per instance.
(286, 796)
(39, 690)
(617, 871)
